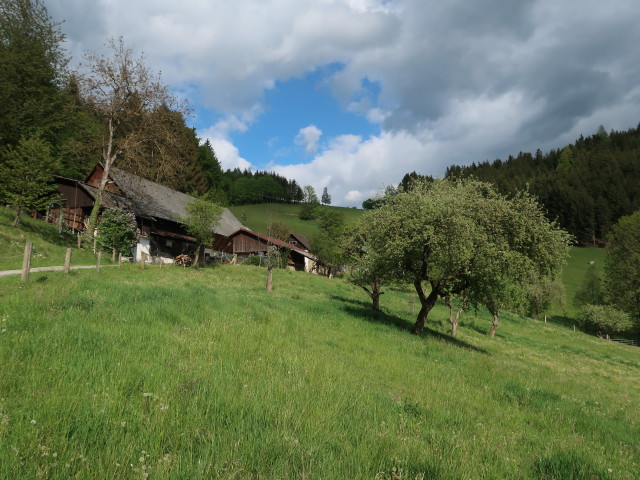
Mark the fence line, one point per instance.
(633, 343)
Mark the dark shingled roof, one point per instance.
(302, 240)
(150, 199)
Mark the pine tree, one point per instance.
(26, 180)
(326, 198)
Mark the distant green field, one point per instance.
(258, 217)
(574, 273)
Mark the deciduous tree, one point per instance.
(328, 243)
(622, 267)
(364, 270)
(200, 221)
(278, 230)
(123, 91)
(603, 320)
(118, 230)
(310, 194)
(448, 237)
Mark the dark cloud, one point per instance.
(447, 81)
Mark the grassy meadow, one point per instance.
(49, 247)
(575, 270)
(258, 217)
(175, 373)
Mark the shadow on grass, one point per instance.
(561, 320)
(364, 311)
(45, 231)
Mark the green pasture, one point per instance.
(258, 217)
(176, 373)
(574, 273)
(49, 246)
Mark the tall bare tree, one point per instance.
(123, 91)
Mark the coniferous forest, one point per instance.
(47, 108)
(586, 186)
(52, 110)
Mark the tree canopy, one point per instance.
(587, 186)
(200, 220)
(447, 237)
(25, 175)
(622, 265)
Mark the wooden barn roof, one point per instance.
(304, 241)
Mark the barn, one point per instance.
(158, 210)
(245, 243)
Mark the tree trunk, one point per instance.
(374, 294)
(197, 257)
(494, 324)
(269, 278)
(16, 220)
(108, 157)
(452, 320)
(375, 300)
(427, 302)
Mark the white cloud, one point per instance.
(445, 82)
(227, 153)
(308, 137)
(354, 196)
(355, 168)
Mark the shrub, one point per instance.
(118, 230)
(309, 211)
(603, 319)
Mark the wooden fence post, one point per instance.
(26, 261)
(99, 260)
(143, 259)
(67, 261)
(119, 260)
(79, 239)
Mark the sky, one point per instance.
(352, 94)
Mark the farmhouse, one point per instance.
(245, 243)
(299, 241)
(158, 210)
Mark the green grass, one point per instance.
(258, 217)
(49, 247)
(182, 373)
(576, 269)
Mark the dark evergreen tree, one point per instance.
(32, 73)
(326, 198)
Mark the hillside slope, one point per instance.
(258, 217)
(182, 373)
(49, 246)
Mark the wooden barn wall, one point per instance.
(74, 197)
(73, 217)
(245, 244)
(96, 176)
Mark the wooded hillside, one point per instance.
(587, 186)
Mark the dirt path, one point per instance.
(6, 273)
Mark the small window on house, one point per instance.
(169, 243)
(293, 242)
